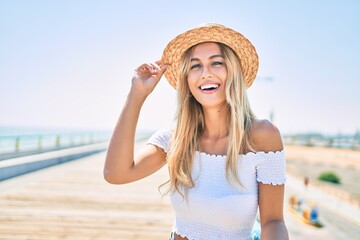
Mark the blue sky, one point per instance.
(68, 64)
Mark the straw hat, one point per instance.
(211, 32)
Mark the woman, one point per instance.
(223, 163)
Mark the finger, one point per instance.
(159, 63)
(152, 68)
(163, 68)
(156, 67)
(146, 68)
(161, 72)
(142, 67)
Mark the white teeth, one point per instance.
(209, 86)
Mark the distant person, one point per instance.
(223, 162)
(306, 181)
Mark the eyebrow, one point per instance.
(211, 57)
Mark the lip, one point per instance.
(209, 91)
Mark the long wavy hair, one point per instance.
(190, 124)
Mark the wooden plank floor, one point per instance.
(72, 201)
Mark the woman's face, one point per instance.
(207, 75)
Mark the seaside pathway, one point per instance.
(72, 201)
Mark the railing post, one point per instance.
(57, 141)
(17, 144)
(40, 143)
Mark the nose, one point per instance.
(206, 73)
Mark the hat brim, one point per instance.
(246, 52)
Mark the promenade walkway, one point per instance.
(72, 201)
(341, 220)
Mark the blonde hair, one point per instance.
(190, 123)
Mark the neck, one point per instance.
(216, 123)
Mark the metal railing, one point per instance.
(43, 142)
(337, 141)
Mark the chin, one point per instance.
(213, 105)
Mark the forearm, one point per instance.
(274, 230)
(120, 154)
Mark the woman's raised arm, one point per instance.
(120, 166)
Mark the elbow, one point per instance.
(113, 178)
(113, 173)
(274, 229)
(109, 178)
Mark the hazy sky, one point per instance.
(69, 64)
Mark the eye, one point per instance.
(195, 66)
(216, 63)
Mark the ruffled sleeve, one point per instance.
(271, 168)
(161, 139)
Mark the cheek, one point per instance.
(191, 81)
(191, 77)
(222, 73)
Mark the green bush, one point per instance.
(329, 177)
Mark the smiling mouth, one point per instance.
(209, 87)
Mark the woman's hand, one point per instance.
(147, 76)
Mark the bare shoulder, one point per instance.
(265, 136)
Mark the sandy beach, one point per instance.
(309, 162)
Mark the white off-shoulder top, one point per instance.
(214, 208)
